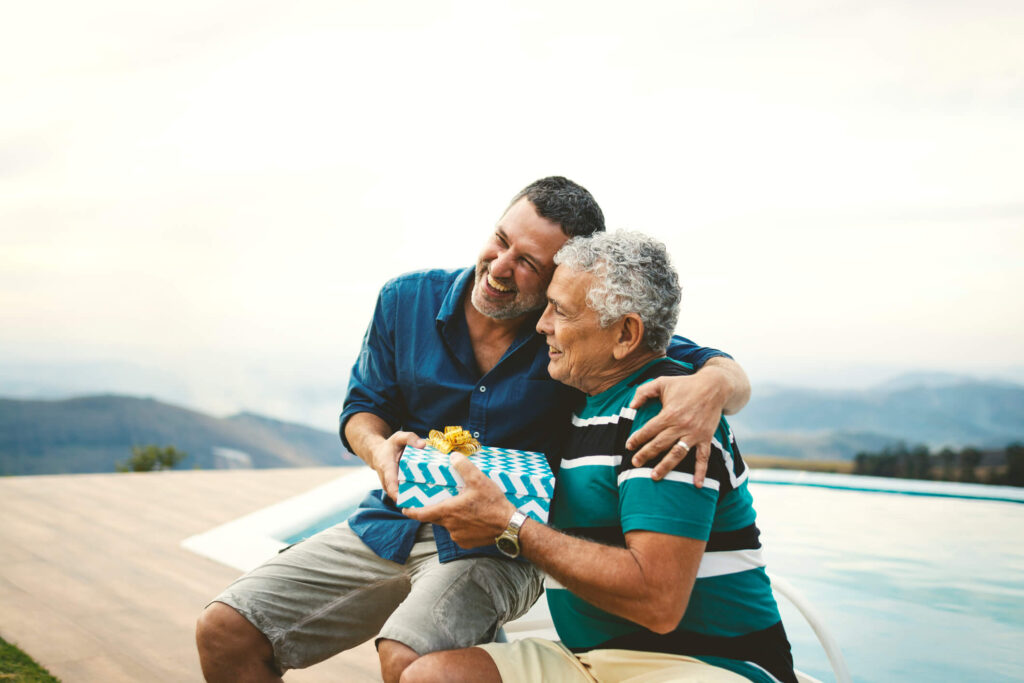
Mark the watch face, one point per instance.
(508, 546)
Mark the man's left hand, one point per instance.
(477, 515)
(691, 409)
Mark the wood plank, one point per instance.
(95, 586)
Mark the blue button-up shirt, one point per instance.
(417, 371)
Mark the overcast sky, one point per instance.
(212, 193)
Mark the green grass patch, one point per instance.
(17, 666)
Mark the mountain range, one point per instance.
(92, 433)
(935, 409)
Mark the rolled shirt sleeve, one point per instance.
(373, 385)
(683, 349)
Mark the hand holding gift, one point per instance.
(385, 459)
(426, 475)
(476, 515)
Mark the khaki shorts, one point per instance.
(537, 659)
(331, 592)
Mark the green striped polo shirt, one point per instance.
(731, 619)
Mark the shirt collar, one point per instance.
(452, 301)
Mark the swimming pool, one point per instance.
(915, 587)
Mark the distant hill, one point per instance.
(938, 409)
(825, 446)
(933, 409)
(90, 434)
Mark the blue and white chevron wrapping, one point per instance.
(425, 477)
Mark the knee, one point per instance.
(221, 630)
(423, 670)
(212, 624)
(395, 658)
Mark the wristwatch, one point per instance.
(508, 541)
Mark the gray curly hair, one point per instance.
(634, 275)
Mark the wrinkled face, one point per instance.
(579, 350)
(515, 265)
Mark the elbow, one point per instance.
(739, 397)
(664, 625)
(737, 405)
(664, 615)
(736, 384)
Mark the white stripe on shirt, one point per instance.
(628, 413)
(729, 562)
(592, 460)
(682, 477)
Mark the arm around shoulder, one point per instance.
(692, 407)
(734, 381)
(730, 386)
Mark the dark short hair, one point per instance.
(564, 202)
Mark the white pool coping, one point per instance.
(913, 487)
(247, 542)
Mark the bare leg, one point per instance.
(470, 665)
(232, 649)
(394, 658)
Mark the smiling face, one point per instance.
(515, 266)
(581, 353)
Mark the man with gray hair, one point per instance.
(646, 577)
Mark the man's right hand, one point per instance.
(385, 456)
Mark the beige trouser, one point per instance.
(537, 659)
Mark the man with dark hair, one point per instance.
(443, 348)
(564, 202)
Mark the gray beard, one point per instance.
(513, 309)
(505, 313)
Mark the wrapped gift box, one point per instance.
(425, 477)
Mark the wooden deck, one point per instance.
(95, 586)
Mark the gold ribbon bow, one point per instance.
(453, 439)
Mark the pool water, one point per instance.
(914, 587)
(326, 523)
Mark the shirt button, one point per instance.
(476, 435)
(483, 389)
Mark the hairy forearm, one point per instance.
(731, 381)
(366, 431)
(617, 580)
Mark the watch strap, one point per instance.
(508, 540)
